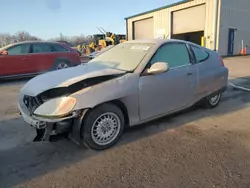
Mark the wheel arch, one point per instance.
(61, 59)
(81, 128)
(117, 103)
(123, 108)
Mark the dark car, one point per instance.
(29, 58)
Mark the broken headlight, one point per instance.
(57, 107)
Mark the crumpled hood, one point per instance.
(66, 77)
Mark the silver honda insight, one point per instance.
(132, 83)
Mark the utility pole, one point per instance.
(61, 36)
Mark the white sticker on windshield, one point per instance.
(140, 47)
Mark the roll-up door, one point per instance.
(143, 29)
(189, 20)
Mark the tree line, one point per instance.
(6, 38)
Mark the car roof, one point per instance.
(159, 42)
(44, 42)
(156, 41)
(32, 42)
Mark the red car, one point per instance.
(31, 58)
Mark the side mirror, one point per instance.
(5, 52)
(158, 68)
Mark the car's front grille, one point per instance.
(31, 103)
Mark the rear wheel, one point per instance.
(102, 127)
(61, 65)
(212, 101)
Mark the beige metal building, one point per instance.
(221, 25)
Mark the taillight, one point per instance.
(222, 62)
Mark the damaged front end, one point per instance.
(52, 112)
(51, 117)
(54, 130)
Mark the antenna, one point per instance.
(100, 30)
(104, 30)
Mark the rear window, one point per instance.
(41, 48)
(59, 48)
(200, 54)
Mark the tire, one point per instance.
(93, 129)
(212, 101)
(61, 64)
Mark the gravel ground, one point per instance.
(195, 148)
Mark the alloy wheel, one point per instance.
(106, 128)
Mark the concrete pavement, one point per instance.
(195, 148)
(239, 70)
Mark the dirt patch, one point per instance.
(13, 109)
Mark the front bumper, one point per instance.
(46, 127)
(27, 116)
(36, 121)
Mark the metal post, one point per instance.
(203, 41)
(215, 23)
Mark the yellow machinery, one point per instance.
(109, 38)
(101, 41)
(86, 49)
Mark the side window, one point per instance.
(58, 48)
(199, 53)
(41, 48)
(19, 49)
(175, 54)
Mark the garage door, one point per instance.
(144, 29)
(189, 20)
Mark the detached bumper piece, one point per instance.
(44, 134)
(53, 131)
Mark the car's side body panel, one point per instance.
(124, 88)
(2, 72)
(166, 92)
(16, 64)
(169, 91)
(145, 97)
(35, 62)
(212, 76)
(41, 60)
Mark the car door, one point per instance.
(172, 90)
(60, 52)
(1, 64)
(208, 70)
(41, 56)
(17, 61)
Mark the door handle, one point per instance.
(189, 73)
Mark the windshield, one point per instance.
(125, 56)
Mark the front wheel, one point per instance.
(212, 101)
(102, 127)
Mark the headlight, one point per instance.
(57, 107)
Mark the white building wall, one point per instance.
(234, 14)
